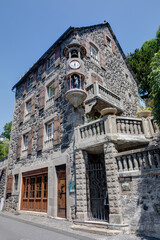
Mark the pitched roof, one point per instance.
(69, 31)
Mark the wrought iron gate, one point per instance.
(97, 195)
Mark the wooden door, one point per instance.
(61, 192)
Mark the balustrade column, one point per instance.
(139, 127)
(135, 127)
(127, 126)
(140, 159)
(119, 162)
(135, 162)
(86, 132)
(151, 159)
(124, 158)
(90, 131)
(118, 126)
(130, 164)
(98, 128)
(122, 126)
(115, 215)
(131, 127)
(145, 160)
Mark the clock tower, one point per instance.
(75, 78)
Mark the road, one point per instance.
(14, 230)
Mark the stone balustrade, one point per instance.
(101, 92)
(129, 126)
(142, 159)
(120, 130)
(95, 128)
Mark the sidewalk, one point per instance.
(63, 226)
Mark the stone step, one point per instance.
(96, 230)
(123, 228)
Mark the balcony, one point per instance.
(97, 94)
(126, 132)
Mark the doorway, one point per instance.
(97, 194)
(61, 191)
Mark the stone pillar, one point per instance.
(115, 215)
(81, 192)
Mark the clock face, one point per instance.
(74, 64)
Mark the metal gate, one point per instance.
(97, 195)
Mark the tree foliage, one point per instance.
(4, 146)
(7, 130)
(140, 61)
(154, 79)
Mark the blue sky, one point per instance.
(29, 27)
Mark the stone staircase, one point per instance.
(101, 228)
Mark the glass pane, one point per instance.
(32, 188)
(39, 186)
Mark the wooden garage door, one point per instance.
(34, 190)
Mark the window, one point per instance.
(50, 90)
(50, 61)
(28, 107)
(49, 130)
(29, 82)
(109, 42)
(16, 182)
(94, 52)
(25, 141)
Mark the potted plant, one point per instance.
(146, 112)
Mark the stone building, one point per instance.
(69, 156)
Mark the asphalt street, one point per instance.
(14, 230)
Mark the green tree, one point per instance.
(4, 148)
(154, 79)
(7, 130)
(141, 59)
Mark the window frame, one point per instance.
(49, 91)
(49, 136)
(29, 82)
(25, 143)
(92, 49)
(50, 61)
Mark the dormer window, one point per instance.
(50, 61)
(109, 41)
(29, 82)
(74, 53)
(94, 52)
